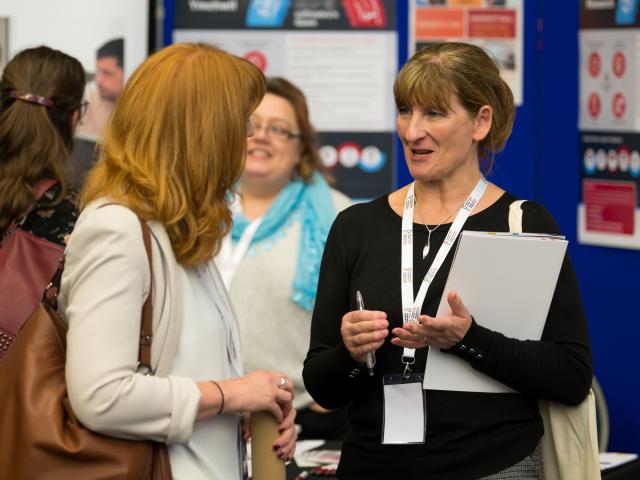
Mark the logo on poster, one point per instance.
(213, 6)
(328, 155)
(595, 64)
(618, 105)
(589, 161)
(594, 105)
(619, 64)
(372, 159)
(623, 159)
(634, 164)
(365, 13)
(349, 154)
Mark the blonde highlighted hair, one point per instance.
(433, 74)
(176, 144)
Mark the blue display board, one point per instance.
(541, 162)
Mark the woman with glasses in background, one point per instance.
(283, 209)
(40, 106)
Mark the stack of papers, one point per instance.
(309, 455)
(612, 459)
(507, 281)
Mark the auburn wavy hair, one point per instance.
(176, 144)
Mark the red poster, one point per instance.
(610, 206)
(365, 13)
(439, 23)
(492, 23)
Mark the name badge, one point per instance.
(404, 410)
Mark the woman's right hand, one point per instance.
(363, 331)
(253, 392)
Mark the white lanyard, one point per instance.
(218, 294)
(229, 258)
(411, 308)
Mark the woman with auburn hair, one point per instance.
(174, 147)
(270, 260)
(454, 109)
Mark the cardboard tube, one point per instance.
(265, 463)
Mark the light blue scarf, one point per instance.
(314, 203)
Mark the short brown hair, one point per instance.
(433, 74)
(309, 158)
(176, 144)
(36, 140)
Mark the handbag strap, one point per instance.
(146, 327)
(50, 298)
(515, 216)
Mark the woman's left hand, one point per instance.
(285, 445)
(440, 332)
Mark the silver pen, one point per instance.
(371, 356)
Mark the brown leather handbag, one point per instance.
(27, 263)
(41, 437)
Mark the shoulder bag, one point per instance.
(41, 437)
(27, 263)
(570, 440)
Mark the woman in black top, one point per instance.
(40, 105)
(453, 111)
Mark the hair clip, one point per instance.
(31, 98)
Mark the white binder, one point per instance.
(507, 281)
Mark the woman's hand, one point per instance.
(253, 392)
(285, 444)
(363, 331)
(440, 332)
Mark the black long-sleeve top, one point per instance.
(469, 435)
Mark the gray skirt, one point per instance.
(529, 468)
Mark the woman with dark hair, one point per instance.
(282, 213)
(40, 106)
(397, 250)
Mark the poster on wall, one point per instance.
(340, 53)
(494, 25)
(609, 124)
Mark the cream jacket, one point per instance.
(105, 283)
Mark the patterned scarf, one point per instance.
(314, 203)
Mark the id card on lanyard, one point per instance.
(401, 392)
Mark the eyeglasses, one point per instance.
(82, 110)
(280, 133)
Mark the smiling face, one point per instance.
(272, 154)
(440, 143)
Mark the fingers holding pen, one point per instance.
(364, 331)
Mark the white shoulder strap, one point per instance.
(515, 216)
